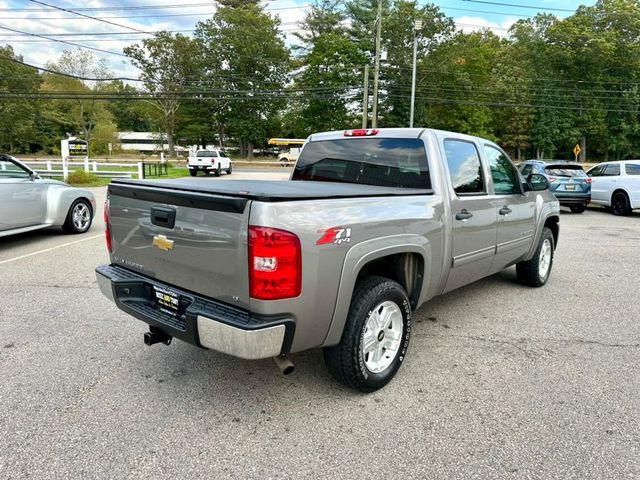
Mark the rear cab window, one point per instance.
(207, 154)
(382, 162)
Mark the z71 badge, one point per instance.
(336, 235)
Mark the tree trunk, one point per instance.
(172, 149)
(243, 148)
(606, 155)
(249, 149)
(519, 154)
(221, 134)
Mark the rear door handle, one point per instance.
(463, 215)
(504, 211)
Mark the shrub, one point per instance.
(80, 177)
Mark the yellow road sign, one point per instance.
(577, 150)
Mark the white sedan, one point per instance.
(616, 185)
(28, 202)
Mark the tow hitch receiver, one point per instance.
(155, 335)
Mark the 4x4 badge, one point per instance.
(163, 243)
(336, 235)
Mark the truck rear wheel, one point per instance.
(535, 272)
(193, 172)
(375, 338)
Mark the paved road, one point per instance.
(501, 381)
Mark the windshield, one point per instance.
(383, 162)
(565, 171)
(9, 169)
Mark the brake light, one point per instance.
(361, 132)
(588, 180)
(275, 264)
(552, 179)
(107, 228)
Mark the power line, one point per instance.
(121, 7)
(519, 6)
(150, 16)
(62, 41)
(87, 16)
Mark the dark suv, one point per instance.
(567, 181)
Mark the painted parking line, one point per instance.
(50, 249)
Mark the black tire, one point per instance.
(284, 162)
(70, 226)
(578, 208)
(217, 171)
(207, 172)
(229, 170)
(620, 204)
(193, 172)
(346, 361)
(529, 272)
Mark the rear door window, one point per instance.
(383, 162)
(465, 168)
(632, 168)
(612, 170)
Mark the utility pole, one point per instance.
(376, 68)
(416, 27)
(365, 98)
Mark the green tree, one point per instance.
(168, 70)
(83, 113)
(329, 67)
(17, 116)
(246, 62)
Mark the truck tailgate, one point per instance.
(193, 240)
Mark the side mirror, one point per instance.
(536, 183)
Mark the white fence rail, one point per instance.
(51, 168)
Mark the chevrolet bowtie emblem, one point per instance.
(163, 243)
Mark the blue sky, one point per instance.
(469, 15)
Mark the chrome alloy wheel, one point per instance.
(544, 262)
(381, 336)
(81, 217)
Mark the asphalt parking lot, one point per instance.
(501, 381)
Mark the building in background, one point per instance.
(145, 142)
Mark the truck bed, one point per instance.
(272, 190)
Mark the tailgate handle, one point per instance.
(163, 217)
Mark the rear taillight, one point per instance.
(552, 179)
(107, 228)
(361, 132)
(588, 180)
(275, 264)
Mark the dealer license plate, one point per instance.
(167, 300)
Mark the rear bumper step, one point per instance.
(199, 320)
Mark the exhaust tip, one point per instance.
(285, 365)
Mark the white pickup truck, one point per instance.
(209, 161)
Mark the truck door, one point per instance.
(515, 209)
(473, 214)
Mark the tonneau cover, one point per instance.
(273, 190)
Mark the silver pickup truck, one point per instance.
(372, 224)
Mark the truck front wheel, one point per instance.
(535, 272)
(375, 338)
